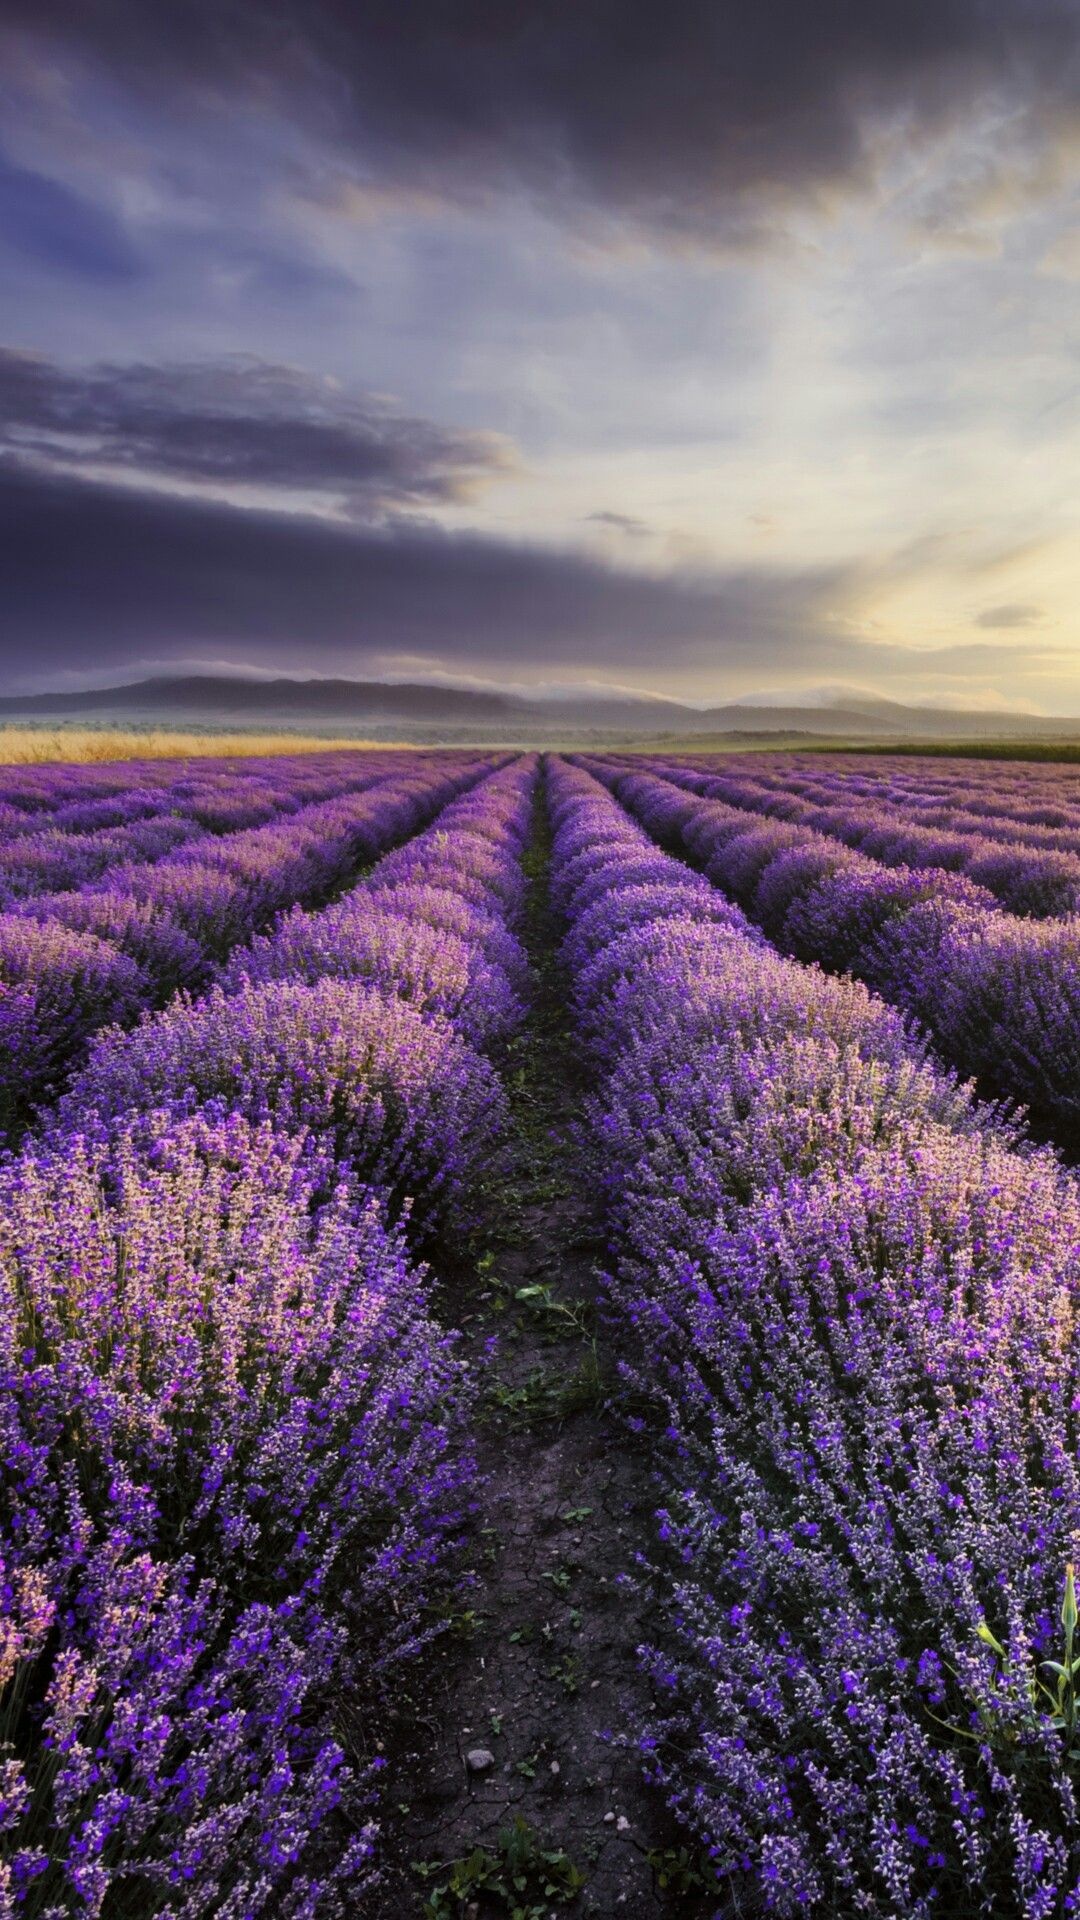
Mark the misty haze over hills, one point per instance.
(431, 712)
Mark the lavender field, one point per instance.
(538, 1339)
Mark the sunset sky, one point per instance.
(708, 349)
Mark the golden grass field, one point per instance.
(29, 745)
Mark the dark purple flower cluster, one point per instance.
(232, 1460)
(848, 1299)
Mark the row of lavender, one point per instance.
(1024, 846)
(46, 787)
(849, 1299)
(1037, 804)
(77, 840)
(75, 961)
(1000, 995)
(1028, 794)
(235, 1441)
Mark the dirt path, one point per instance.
(541, 1687)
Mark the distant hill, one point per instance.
(427, 712)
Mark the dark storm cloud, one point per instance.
(114, 575)
(237, 421)
(47, 223)
(683, 113)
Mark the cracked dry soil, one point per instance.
(544, 1679)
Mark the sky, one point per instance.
(712, 350)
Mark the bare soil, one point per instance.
(542, 1673)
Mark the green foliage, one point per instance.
(567, 1672)
(678, 1870)
(462, 1622)
(521, 1878)
(548, 1394)
(561, 1579)
(1052, 1703)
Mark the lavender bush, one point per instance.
(398, 1096)
(228, 1486)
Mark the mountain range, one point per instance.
(428, 712)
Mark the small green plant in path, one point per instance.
(681, 1870)
(521, 1879)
